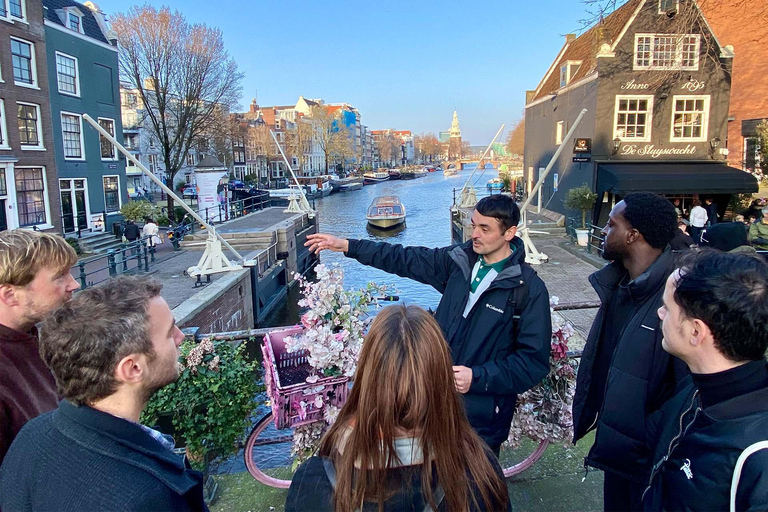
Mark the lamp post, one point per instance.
(616, 145)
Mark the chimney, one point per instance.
(529, 96)
(254, 105)
(569, 38)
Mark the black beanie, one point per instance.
(725, 236)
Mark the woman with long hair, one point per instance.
(402, 441)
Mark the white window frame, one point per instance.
(559, 132)
(648, 117)
(704, 122)
(46, 200)
(676, 9)
(119, 195)
(41, 144)
(82, 137)
(152, 163)
(566, 72)
(4, 144)
(114, 134)
(678, 53)
(71, 12)
(32, 63)
(190, 159)
(77, 74)
(10, 18)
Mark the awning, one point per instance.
(674, 178)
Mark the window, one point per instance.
(30, 131)
(30, 196)
(151, 141)
(111, 194)
(152, 163)
(107, 149)
(190, 159)
(666, 51)
(3, 129)
(559, 132)
(3, 9)
(74, 22)
(72, 130)
(667, 6)
(66, 74)
(277, 124)
(568, 71)
(3, 186)
(16, 8)
(690, 118)
(632, 120)
(23, 58)
(130, 141)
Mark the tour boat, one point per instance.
(386, 212)
(451, 172)
(375, 177)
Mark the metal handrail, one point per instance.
(115, 262)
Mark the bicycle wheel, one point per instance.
(516, 460)
(267, 454)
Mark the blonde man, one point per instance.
(34, 281)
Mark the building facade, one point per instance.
(83, 79)
(657, 112)
(29, 188)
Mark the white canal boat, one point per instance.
(386, 212)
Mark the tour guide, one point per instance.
(494, 311)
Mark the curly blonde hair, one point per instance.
(23, 253)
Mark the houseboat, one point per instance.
(394, 174)
(373, 177)
(386, 212)
(338, 183)
(316, 186)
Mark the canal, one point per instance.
(427, 201)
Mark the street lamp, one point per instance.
(713, 145)
(616, 145)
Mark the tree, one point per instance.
(427, 146)
(342, 149)
(582, 199)
(389, 147)
(298, 141)
(516, 138)
(328, 132)
(182, 73)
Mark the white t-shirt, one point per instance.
(698, 217)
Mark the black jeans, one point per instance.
(621, 494)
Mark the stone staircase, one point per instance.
(97, 243)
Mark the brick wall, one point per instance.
(226, 308)
(742, 24)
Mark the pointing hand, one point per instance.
(319, 241)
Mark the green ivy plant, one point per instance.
(212, 400)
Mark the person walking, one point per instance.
(624, 375)
(151, 232)
(711, 208)
(494, 309)
(711, 449)
(131, 231)
(758, 231)
(698, 220)
(34, 281)
(110, 349)
(402, 440)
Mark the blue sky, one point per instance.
(402, 64)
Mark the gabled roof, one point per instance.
(210, 161)
(584, 48)
(91, 27)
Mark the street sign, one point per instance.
(581, 159)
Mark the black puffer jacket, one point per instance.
(698, 449)
(641, 378)
(503, 365)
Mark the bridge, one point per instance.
(494, 160)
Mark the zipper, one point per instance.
(680, 433)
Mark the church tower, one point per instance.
(454, 143)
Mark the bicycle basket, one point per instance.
(285, 374)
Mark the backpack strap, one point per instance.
(519, 297)
(762, 445)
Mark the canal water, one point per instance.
(427, 202)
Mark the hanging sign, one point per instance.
(582, 146)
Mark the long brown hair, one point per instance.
(405, 382)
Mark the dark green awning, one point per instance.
(673, 178)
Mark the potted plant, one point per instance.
(212, 400)
(582, 199)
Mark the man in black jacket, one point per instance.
(712, 445)
(494, 312)
(110, 348)
(624, 373)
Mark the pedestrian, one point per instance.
(758, 232)
(682, 241)
(34, 280)
(131, 231)
(727, 237)
(678, 208)
(494, 309)
(711, 208)
(698, 220)
(151, 232)
(110, 349)
(712, 438)
(624, 375)
(390, 437)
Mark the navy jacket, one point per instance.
(503, 365)
(79, 459)
(641, 377)
(697, 450)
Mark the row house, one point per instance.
(81, 52)
(29, 189)
(749, 89)
(656, 92)
(140, 140)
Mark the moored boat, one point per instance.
(394, 174)
(316, 186)
(386, 212)
(349, 187)
(371, 178)
(337, 183)
(496, 185)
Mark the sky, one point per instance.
(403, 64)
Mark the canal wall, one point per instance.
(224, 305)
